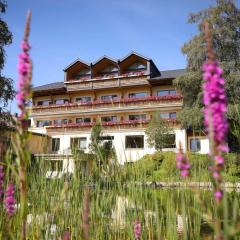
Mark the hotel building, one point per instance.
(122, 95)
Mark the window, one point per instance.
(83, 99)
(78, 143)
(83, 120)
(61, 101)
(137, 66)
(106, 138)
(138, 117)
(110, 70)
(195, 145)
(43, 123)
(55, 144)
(55, 165)
(85, 73)
(171, 115)
(137, 95)
(109, 97)
(44, 103)
(109, 119)
(135, 141)
(166, 92)
(170, 141)
(60, 121)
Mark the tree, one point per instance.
(103, 150)
(158, 133)
(7, 92)
(225, 21)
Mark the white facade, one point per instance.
(123, 153)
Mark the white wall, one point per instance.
(123, 154)
(205, 148)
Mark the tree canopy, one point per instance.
(224, 19)
(6, 84)
(158, 132)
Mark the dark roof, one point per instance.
(135, 53)
(170, 74)
(76, 61)
(50, 86)
(104, 57)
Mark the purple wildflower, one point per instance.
(215, 102)
(10, 201)
(183, 164)
(137, 230)
(24, 71)
(215, 120)
(1, 182)
(218, 195)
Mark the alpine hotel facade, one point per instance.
(122, 95)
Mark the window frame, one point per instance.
(166, 90)
(140, 118)
(77, 99)
(132, 147)
(78, 143)
(53, 147)
(111, 97)
(110, 117)
(84, 118)
(133, 95)
(198, 148)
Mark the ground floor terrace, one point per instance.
(129, 141)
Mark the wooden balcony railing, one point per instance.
(124, 123)
(116, 103)
(129, 79)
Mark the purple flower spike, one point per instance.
(1, 183)
(215, 121)
(137, 230)
(10, 201)
(24, 71)
(215, 102)
(218, 195)
(182, 164)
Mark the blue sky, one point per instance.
(63, 30)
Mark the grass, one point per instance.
(56, 205)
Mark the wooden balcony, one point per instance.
(139, 78)
(111, 105)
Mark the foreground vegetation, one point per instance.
(58, 205)
(162, 167)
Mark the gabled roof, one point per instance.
(134, 53)
(78, 60)
(50, 86)
(104, 57)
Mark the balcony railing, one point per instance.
(91, 105)
(108, 124)
(109, 76)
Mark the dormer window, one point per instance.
(137, 66)
(83, 74)
(110, 70)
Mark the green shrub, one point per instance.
(161, 166)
